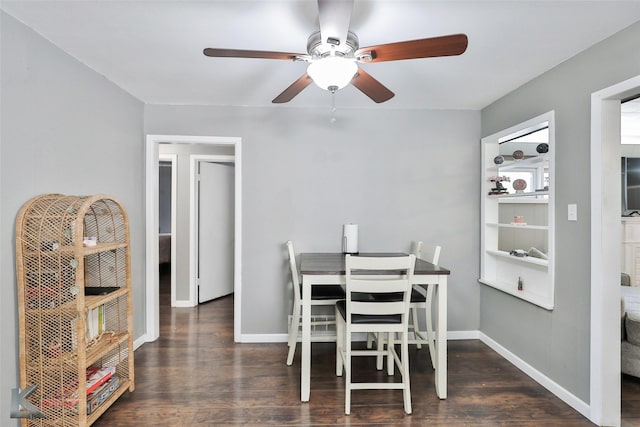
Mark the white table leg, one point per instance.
(441, 339)
(305, 376)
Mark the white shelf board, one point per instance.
(526, 260)
(533, 298)
(513, 196)
(524, 163)
(521, 227)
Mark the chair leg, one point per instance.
(380, 347)
(340, 340)
(369, 339)
(404, 352)
(431, 334)
(293, 334)
(414, 317)
(391, 361)
(347, 372)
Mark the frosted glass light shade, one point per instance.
(332, 71)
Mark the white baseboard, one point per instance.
(263, 338)
(562, 393)
(183, 304)
(271, 338)
(137, 343)
(463, 335)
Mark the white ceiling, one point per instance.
(153, 49)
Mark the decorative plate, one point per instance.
(519, 184)
(542, 148)
(518, 154)
(498, 160)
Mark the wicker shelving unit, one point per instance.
(62, 330)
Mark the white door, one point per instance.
(215, 230)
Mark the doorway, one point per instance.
(152, 225)
(605, 250)
(167, 216)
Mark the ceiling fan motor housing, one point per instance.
(317, 49)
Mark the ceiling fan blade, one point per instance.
(450, 45)
(334, 17)
(296, 87)
(239, 53)
(371, 87)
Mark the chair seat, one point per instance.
(416, 297)
(327, 292)
(387, 319)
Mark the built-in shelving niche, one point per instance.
(517, 226)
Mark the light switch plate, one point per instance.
(572, 212)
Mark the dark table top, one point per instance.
(334, 263)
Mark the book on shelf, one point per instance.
(95, 323)
(98, 375)
(101, 394)
(67, 396)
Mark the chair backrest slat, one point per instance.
(381, 285)
(386, 308)
(378, 263)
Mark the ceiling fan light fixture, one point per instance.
(332, 72)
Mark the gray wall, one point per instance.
(557, 342)
(401, 175)
(65, 129)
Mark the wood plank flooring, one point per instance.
(630, 407)
(194, 375)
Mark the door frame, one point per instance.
(173, 159)
(194, 161)
(605, 251)
(151, 297)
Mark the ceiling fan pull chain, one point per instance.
(333, 108)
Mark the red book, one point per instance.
(67, 397)
(98, 375)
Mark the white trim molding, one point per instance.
(274, 338)
(605, 251)
(152, 319)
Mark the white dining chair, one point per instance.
(386, 315)
(422, 298)
(325, 295)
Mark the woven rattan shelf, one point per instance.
(63, 331)
(71, 250)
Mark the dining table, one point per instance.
(318, 269)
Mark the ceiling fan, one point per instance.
(334, 51)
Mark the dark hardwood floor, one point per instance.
(194, 375)
(630, 407)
